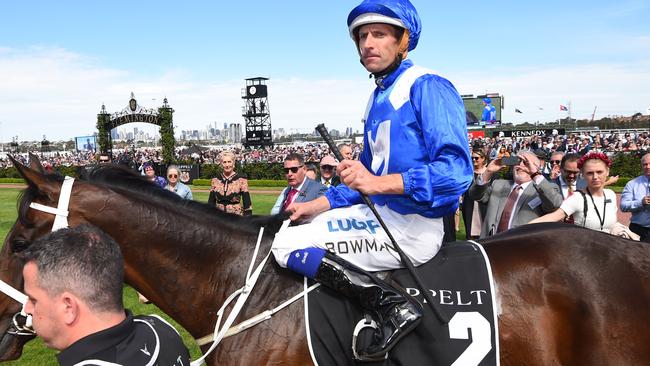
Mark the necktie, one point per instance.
(507, 210)
(289, 198)
(327, 183)
(571, 190)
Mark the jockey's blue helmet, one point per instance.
(487, 100)
(400, 13)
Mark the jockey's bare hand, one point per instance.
(355, 175)
(306, 210)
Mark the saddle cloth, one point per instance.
(459, 278)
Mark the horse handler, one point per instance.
(73, 280)
(414, 167)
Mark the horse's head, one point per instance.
(31, 224)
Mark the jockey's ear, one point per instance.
(35, 163)
(36, 179)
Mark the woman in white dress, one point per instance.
(595, 207)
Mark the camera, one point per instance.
(510, 160)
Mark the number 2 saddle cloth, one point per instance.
(459, 279)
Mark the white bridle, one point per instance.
(61, 211)
(60, 222)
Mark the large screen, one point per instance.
(478, 115)
(86, 143)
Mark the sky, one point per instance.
(60, 61)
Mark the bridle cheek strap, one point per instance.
(60, 222)
(61, 211)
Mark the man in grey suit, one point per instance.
(511, 203)
(300, 188)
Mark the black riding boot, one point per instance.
(395, 312)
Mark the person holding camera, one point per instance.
(514, 202)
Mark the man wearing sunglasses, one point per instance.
(299, 187)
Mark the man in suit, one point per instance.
(300, 188)
(569, 179)
(328, 175)
(511, 203)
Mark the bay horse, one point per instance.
(566, 295)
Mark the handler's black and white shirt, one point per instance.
(137, 341)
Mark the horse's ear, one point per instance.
(36, 179)
(35, 163)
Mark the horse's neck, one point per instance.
(183, 264)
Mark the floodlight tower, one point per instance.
(256, 113)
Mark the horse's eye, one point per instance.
(19, 245)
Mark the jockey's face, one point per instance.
(378, 46)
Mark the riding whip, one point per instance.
(322, 130)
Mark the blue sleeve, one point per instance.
(342, 196)
(441, 113)
(628, 204)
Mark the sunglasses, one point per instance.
(556, 161)
(172, 176)
(475, 157)
(327, 167)
(293, 170)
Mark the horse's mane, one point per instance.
(133, 185)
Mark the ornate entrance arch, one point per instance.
(162, 117)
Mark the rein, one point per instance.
(221, 332)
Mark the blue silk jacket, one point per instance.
(415, 126)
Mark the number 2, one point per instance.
(481, 336)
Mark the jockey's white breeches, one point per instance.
(354, 234)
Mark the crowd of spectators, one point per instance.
(607, 143)
(580, 143)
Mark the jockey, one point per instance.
(489, 111)
(414, 167)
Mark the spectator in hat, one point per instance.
(328, 175)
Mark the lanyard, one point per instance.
(602, 221)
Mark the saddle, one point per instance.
(459, 278)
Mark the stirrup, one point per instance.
(366, 322)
